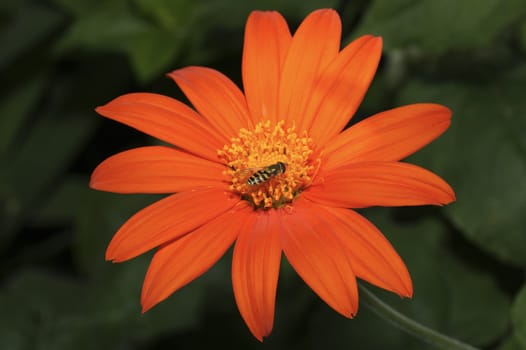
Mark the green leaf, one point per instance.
(468, 309)
(103, 30)
(182, 311)
(518, 317)
(34, 304)
(80, 8)
(483, 157)
(438, 26)
(170, 14)
(511, 343)
(152, 52)
(178, 24)
(149, 48)
(30, 24)
(47, 150)
(522, 35)
(99, 216)
(233, 13)
(365, 331)
(42, 156)
(444, 284)
(45, 311)
(14, 109)
(57, 208)
(117, 296)
(450, 295)
(115, 302)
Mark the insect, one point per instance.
(266, 173)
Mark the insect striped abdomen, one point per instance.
(266, 174)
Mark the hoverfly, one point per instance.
(266, 173)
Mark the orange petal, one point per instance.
(341, 88)
(216, 97)
(388, 136)
(166, 119)
(314, 45)
(165, 220)
(319, 258)
(361, 185)
(255, 270)
(267, 39)
(179, 262)
(373, 257)
(156, 169)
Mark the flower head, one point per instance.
(272, 171)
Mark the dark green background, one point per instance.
(59, 59)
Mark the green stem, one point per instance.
(406, 324)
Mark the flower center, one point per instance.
(269, 166)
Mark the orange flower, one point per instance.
(300, 92)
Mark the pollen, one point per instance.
(256, 154)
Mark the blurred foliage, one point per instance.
(440, 26)
(493, 160)
(62, 58)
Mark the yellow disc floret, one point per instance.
(256, 154)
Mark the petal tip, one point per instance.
(407, 289)
(106, 109)
(112, 254)
(180, 72)
(110, 257)
(453, 197)
(447, 111)
(147, 303)
(146, 307)
(95, 181)
(378, 42)
(449, 201)
(439, 111)
(449, 196)
(325, 11)
(92, 183)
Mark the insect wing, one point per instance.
(247, 173)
